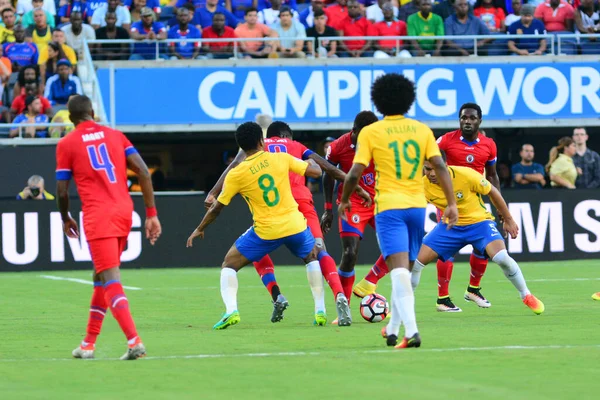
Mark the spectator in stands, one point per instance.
(48, 68)
(33, 115)
(491, 12)
(122, 13)
(40, 33)
(527, 26)
(460, 24)
(375, 12)
(27, 74)
(154, 5)
(5, 73)
(255, 30)
(307, 17)
(270, 16)
(184, 50)
(194, 17)
(390, 26)
(426, 23)
(61, 117)
(147, 29)
(328, 48)
(528, 174)
(337, 14)
(515, 15)
(58, 36)
(446, 8)
(239, 7)
(77, 33)
(218, 30)
(24, 6)
(20, 53)
(135, 10)
(9, 19)
(292, 34)
(204, 15)
(71, 6)
(356, 25)
(110, 51)
(504, 177)
(560, 167)
(31, 89)
(62, 85)
(587, 21)
(587, 161)
(92, 6)
(27, 19)
(35, 190)
(557, 16)
(408, 9)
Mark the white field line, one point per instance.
(316, 353)
(557, 280)
(59, 278)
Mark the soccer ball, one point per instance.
(374, 308)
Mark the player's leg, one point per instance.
(266, 270)
(425, 256)
(444, 271)
(473, 293)
(350, 246)
(98, 307)
(368, 284)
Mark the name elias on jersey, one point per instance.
(258, 167)
(88, 137)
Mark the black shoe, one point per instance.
(444, 304)
(414, 341)
(279, 307)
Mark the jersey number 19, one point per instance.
(414, 161)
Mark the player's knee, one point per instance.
(349, 257)
(506, 262)
(320, 245)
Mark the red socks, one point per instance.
(330, 272)
(266, 271)
(379, 270)
(478, 267)
(347, 281)
(97, 313)
(444, 270)
(119, 306)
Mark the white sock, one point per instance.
(229, 288)
(415, 275)
(404, 300)
(512, 272)
(315, 280)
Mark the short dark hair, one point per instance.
(470, 106)
(5, 10)
(393, 94)
(278, 128)
(218, 13)
(318, 13)
(364, 118)
(190, 7)
(80, 108)
(29, 100)
(249, 10)
(285, 9)
(248, 135)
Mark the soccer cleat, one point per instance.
(334, 322)
(414, 341)
(279, 307)
(391, 340)
(343, 310)
(364, 288)
(596, 296)
(534, 303)
(84, 352)
(320, 318)
(474, 294)
(135, 350)
(227, 320)
(444, 304)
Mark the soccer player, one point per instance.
(262, 178)
(398, 146)
(97, 158)
(466, 147)
(475, 226)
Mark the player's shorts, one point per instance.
(307, 208)
(400, 231)
(254, 248)
(358, 219)
(106, 252)
(447, 242)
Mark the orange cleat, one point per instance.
(534, 303)
(414, 341)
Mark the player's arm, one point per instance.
(350, 184)
(441, 171)
(492, 175)
(152, 224)
(509, 225)
(62, 198)
(313, 170)
(210, 216)
(216, 190)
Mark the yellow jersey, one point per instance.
(564, 167)
(263, 181)
(469, 186)
(397, 146)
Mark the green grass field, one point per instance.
(505, 352)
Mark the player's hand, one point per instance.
(450, 216)
(501, 220)
(368, 201)
(194, 235)
(326, 221)
(342, 208)
(510, 227)
(70, 228)
(209, 200)
(153, 229)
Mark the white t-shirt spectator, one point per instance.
(268, 16)
(374, 13)
(76, 42)
(289, 37)
(510, 18)
(24, 6)
(123, 15)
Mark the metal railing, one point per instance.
(577, 39)
(91, 78)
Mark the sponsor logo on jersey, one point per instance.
(355, 219)
(459, 195)
(470, 158)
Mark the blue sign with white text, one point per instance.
(325, 94)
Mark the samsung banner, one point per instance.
(559, 225)
(334, 94)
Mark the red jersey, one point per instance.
(395, 28)
(298, 150)
(475, 155)
(95, 156)
(341, 152)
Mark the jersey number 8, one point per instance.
(100, 161)
(267, 189)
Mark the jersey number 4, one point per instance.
(100, 161)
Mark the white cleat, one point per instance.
(343, 310)
(138, 350)
(474, 295)
(86, 352)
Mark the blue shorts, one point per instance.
(400, 231)
(254, 248)
(448, 242)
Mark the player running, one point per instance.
(475, 226)
(465, 147)
(398, 146)
(263, 180)
(97, 158)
